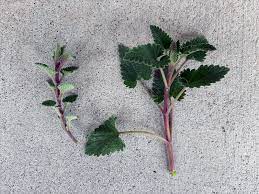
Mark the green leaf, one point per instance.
(203, 76)
(66, 56)
(198, 43)
(65, 87)
(149, 54)
(104, 140)
(132, 71)
(51, 84)
(70, 98)
(68, 70)
(198, 56)
(50, 71)
(158, 87)
(176, 87)
(49, 103)
(60, 54)
(196, 48)
(71, 118)
(160, 37)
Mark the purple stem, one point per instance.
(58, 77)
(168, 122)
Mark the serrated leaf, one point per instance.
(49, 103)
(176, 88)
(132, 71)
(65, 87)
(51, 84)
(149, 54)
(104, 140)
(70, 98)
(50, 71)
(203, 76)
(196, 48)
(158, 87)
(68, 70)
(160, 37)
(198, 43)
(198, 56)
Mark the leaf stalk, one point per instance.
(145, 133)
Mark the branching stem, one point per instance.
(168, 112)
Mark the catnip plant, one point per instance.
(61, 90)
(163, 61)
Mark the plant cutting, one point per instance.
(61, 90)
(164, 61)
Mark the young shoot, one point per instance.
(63, 97)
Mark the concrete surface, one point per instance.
(215, 129)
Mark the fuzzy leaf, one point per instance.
(158, 88)
(149, 54)
(65, 87)
(176, 88)
(51, 84)
(198, 43)
(203, 76)
(70, 98)
(160, 37)
(61, 55)
(49, 103)
(198, 56)
(68, 70)
(104, 140)
(66, 56)
(58, 52)
(196, 48)
(50, 71)
(132, 71)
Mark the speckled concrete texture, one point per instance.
(215, 129)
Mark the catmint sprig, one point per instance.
(60, 88)
(163, 61)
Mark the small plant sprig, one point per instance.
(165, 60)
(56, 76)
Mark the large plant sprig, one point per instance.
(166, 58)
(56, 76)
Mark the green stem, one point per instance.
(180, 93)
(145, 133)
(181, 63)
(163, 76)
